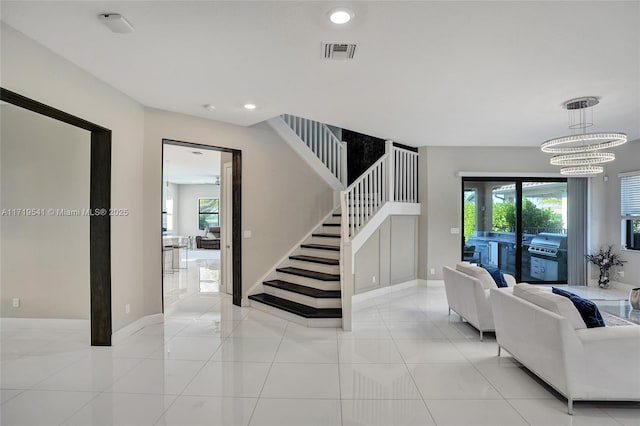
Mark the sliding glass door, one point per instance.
(517, 225)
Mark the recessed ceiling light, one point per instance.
(196, 152)
(340, 15)
(116, 23)
(249, 106)
(209, 106)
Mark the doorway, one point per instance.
(99, 225)
(518, 225)
(201, 210)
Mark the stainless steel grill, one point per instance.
(548, 245)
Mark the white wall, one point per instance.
(605, 211)
(389, 256)
(45, 165)
(188, 206)
(440, 196)
(33, 71)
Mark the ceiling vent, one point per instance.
(338, 50)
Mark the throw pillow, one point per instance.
(588, 310)
(497, 276)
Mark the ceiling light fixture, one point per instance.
(582, 151)
(250, 106)
(116, 23)
(340, 15)
(209, 107)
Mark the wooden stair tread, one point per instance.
(331, 224)
(321, 247)
(296, 308)
(304, 290)
(325, 235)
(310, 274)
(315, 259)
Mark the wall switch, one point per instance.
(15, 302)
(373, 279)
(127, 308)
(247, 234)
(455, 230)
(432, 271)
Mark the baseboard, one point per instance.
(433, 283)
(383, 290)
(46, 323)
(129, 329)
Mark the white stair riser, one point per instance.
(331, 229)
(329, 254)
(312, 323)
(326, 241)
(312, 266)
(302, 299)
(309, 282)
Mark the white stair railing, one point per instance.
(393, 178)
(405, 176)
(324, 144)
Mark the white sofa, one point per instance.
(467, 288)
(545, 333)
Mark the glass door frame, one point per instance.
(518, 229)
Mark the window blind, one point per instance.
(630, 194)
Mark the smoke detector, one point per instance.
(338, 50)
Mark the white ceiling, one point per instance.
(181, 166)
(425, 73)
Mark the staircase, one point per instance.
(306, 288)
(314, 285)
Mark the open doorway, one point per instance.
(200, 226)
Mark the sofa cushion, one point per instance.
(544, 298)
(478, 273)
(588, 310)
(497, 275)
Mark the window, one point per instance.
(208, 212)
(630, 209)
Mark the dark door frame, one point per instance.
(236, 207)
(518, 231)
(99, 224)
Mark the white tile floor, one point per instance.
(212, 363)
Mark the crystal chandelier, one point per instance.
(580, 153)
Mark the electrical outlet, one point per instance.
(127, 308)
(621, 274)
(15, 302)
(432, 271)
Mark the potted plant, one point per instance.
(605, 260)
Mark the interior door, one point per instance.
(226, 233)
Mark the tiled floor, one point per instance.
(212, 363)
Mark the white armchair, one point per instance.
(467, 288)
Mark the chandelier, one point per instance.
(581, 153)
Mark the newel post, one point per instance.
(388, 149)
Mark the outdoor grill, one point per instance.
(546, 250)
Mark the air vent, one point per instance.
(338, 50)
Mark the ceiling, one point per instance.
(425, 73)
(181, 166)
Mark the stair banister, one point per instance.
(346, 266)
(324, 144)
